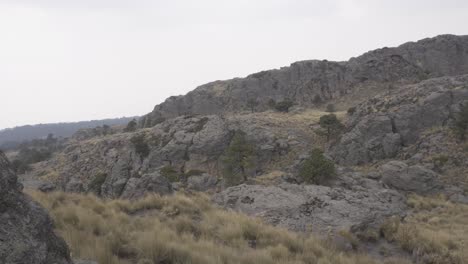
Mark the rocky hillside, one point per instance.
(397, 139)
(26, 231)
(310, 83)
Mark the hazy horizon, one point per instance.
(67, 61)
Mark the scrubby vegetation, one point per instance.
(461, 122)
(141, 146)
(330, 125)
(30, 152)
(317, 169)
(436, 233)
(238, 159)
(97, 182)
(170, 173)
(252, 104)
(131, 126)
(281, 106)
(178, 229)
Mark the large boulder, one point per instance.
(302, 207)
(26, 231)
(416, 178)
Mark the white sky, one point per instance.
(71, 60)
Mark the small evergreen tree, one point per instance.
(461, 122)
(252, 104)
(141, 147)
(131, 126)
(317, 169)
(283, 106)
(271, 103)
(237, 159)
(331, 126)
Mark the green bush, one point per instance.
(193, 173)
(283, 106)
(97, 182)
(237, 159)
(351, 110)
(170, 173)
(317, 169)
(141, 147)
(131, 126)
(252, 104)
(460, 126)
(331, 126)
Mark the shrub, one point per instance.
(141, 147)
(131, 126)
(460, 126)
(331, 126)
(237, 159)
(317, 169)
(283, 106)
(193, 173)
(271, 103)
(252, 104)
(97, 182)
(170, 173)
(331, 108)
(351, 110)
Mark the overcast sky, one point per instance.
(71, 60)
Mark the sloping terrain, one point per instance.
(397, 139)
(311, 83)
(13, 136)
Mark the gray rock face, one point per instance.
(300, 207)
(186, 144)
(304, 81)
(383, 125)
(26, 231)
(415, 178)
(136, 188)
(202, 183)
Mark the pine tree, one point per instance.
(317, 169)
(237, 159)
(331, 125)
(461, 122)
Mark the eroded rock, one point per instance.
(26, 231)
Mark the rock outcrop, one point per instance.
(181, 149)
(416, 178)
(309, 83)
(384, 125)
(26, 231)
(315, 208)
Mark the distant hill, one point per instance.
(18, 134)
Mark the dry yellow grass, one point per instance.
(178, 229)
(437, 231)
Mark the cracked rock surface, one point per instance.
(26, 231)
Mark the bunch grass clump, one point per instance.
(177, 229)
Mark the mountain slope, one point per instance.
(309, 83)
(22, 133)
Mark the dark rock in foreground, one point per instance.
(26, 231)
